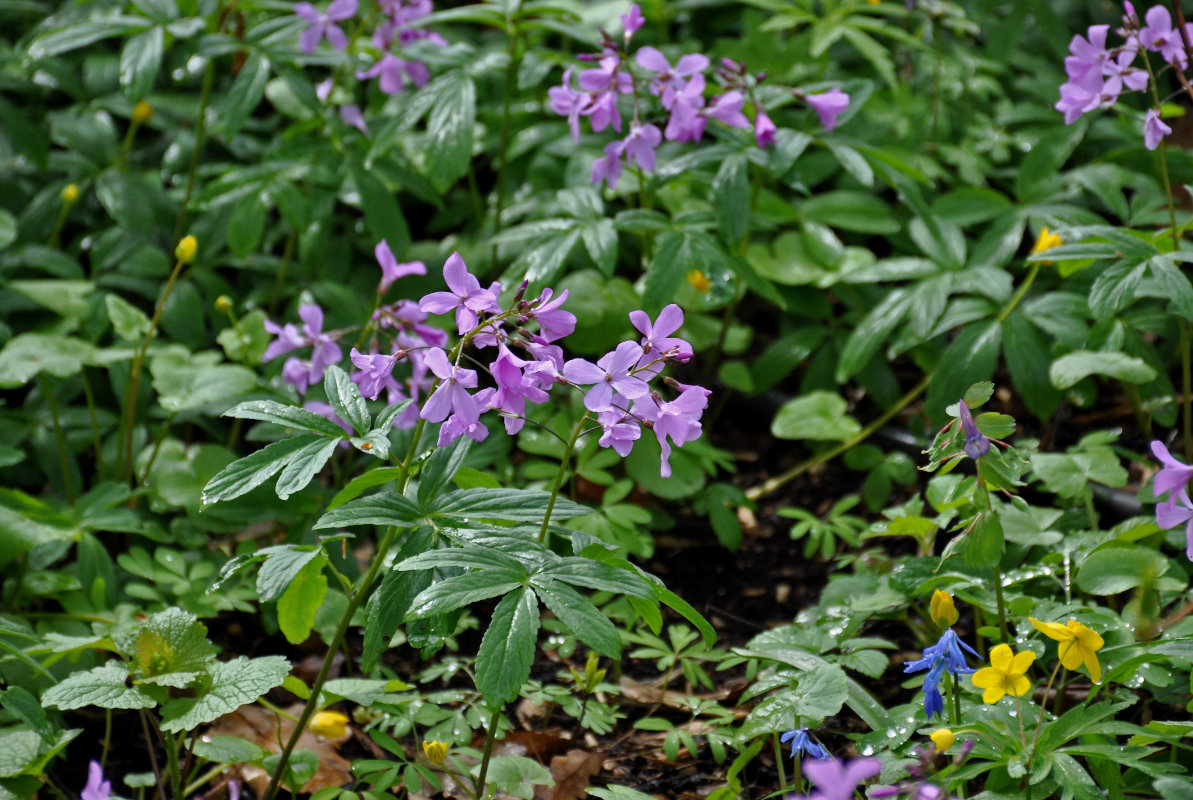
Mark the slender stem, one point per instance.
(280, 281)
(68, 481)
(214, 772)
(1040, 720)
(513, 34)
(96, 439)
(52, 242)
(1187, 389)
(172, 764)
(107, 744)
(161, 786)
(563, 465)
(157, 446)
(955, 711)
(130, 398)
(1021, 291)
(490, 738)
(200, 135)
(779, 763)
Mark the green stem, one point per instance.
(287, 257)
(107, 744)
(68, 482)
(157, 446)
(130, 398)
(172, 765)
(513, 31)
(1187, 389)
(490, 738)
(52, 242)
(157, 773)
(780, 764)
(563, 465)
(96, 439)
(956, 697)
(1021, 291)
(200, 135)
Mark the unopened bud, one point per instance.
(674, 384)
(223, 303)
(521, 292)
(69, 193)
(142, 111)
(186, 249)
(329, 724)
(436, 752)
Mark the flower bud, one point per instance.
(142, 111)
(329, 724)
(521, 292)
(436, 752)
(223, 303)
(186, 249)
(69, 193)
(699, 281)
(944, 613)
(943, 738)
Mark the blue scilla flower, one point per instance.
(801, 743)
(946, 654)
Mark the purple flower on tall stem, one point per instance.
(324, 351)
(389, 69)
(801, 743)
(391, 270)
(1153, 129)
(554, 322)
(513, 390)
(608, 167)
(1173, 514)
(97, 788)
(1158, 35)
(288, 339)
(764, 129)
(657, 341)
(618, 430)
(466, 425)
(727, 108)
(640, 145)
(632, 21)
(666, 76)
(376, 372)
(351, 114)
(828, 106)
(836, 781)
(677, 420)
(466, 296)
(613, 372)
(324, 24)
(567, 102)
(451, 393)
(1173, 475)
(976, 444)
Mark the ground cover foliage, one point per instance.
(368, 366)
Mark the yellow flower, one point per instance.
(943, 738)
(944, 613)
(142, 111)
(69, 193)
(1005, 675)
(186, 249)
(329, 724)
(223, 303)
(699, 280)
(1046, 241)
(435, 751)
(1077, 645)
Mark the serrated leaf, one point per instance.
(171, 641)
(581, 617)
(233, 684)
(18, 750)
(383, 508)
(456, 592)
(450, 128)
(508, 646)
(513, 505)
(282, 564)
(246, 474)
(304, 465)
(104, 686)
(440, 468)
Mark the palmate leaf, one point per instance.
(233, 684)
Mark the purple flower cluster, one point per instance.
(527, 365)
(680, 89)
(1175, 477)
(835, 780)
(1099, 74)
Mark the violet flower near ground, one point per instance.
(97, 788)
(976, 444)
(836, 781)
(324, 24)
(828, 106)
(1176, 512)
(1173, 475)
(613, 372)
(801, 743)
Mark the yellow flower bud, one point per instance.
(944, 613)
(142, 111)
(69, 193)
(1046, 241)
(435, 751)
(329, 724)
(186, 249)
(223, 303)
(943, 738)
(699, 280)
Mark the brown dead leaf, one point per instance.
(259, 726)
(573, 772)
(542, 747)
(651, 695)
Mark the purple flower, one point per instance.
(613, 372)
(976, 444)
(632, 21)
(828, 106)
(466, 296)
(801, 743)
(461, 424)
(323, 89)
(685, 123)
(727, 108)
(97, 788)
(836, 781)
(677, 420)
(324, 24)
(325, 351)
(513, 390)
(567, 102)
(451, 393)
(606, 77)
(608, 167)
(1153, 129)
(1174, 474)
(667, 77)
(391, 270)
(554, 322)
(1158, 35)
(764, 129)
(944, 655)
(657, 342)
(390, 68)
(640, 145)
(1172, 514)
(288, 339)
(352, 115)
(376, 372)
(619, 431)
(1079, 96)
(1087, 55)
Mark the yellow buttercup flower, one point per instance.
(944, 613)
(699, 280)
(69, 193)
(943, 738)
(1078, 644)
(435, 751)
(1005, 675)
(329, 724)
(142, 111)
(186, 249)
(1046, 241)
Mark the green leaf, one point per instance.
(449, 594)
(508, 646)
(301, 601)
(450, 127)
(516, 775)
(676, 256)
(242, 96)
(185, 384)
(18, 750)
(126, 199)
(1043, 163)
(8, 229)
(19, 702)
(850, 211)
(440, 468)
(1066, 474)
(731, 195)
(228, 750)
(866, 339)
(129, 322)
(282, 565)
(1025, 352)
(246, 225)
(581, 617)
(383, 215)
(140, 60)
(104, 686)
(383, 508)
(1067, 370)
(246, 474)
(513, 505)
(985, 542)
(600, 240)
(233, 684)
(1113, 570)
(970, 358)
(171, 641)
(374, 477)
(818, 415)
(287, 416)
(346, 399)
